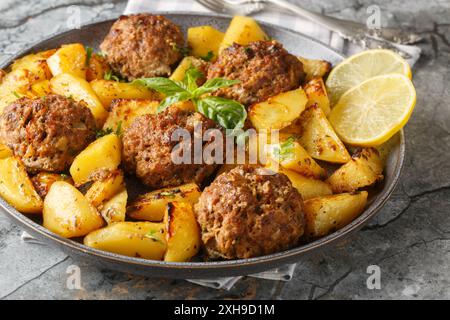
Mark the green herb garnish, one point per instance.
(227, 113)
(16, 95)
(285, 150)
(182, 50)
(209, 56)
(152, 235)
(103, 132)
(109, 75)
(89, 52)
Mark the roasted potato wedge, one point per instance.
(330, 213)
(16, 187)
(15, 85)
(188, 62)
(183, 232)
(108, 90)
(291, 155)
(317, 94)
(204, 41)
(5, 152)
(134, 239)
(315, 68)
(278, 112)
(153, 206)
(363, 170)
(114, 210)
(71, 59)
(318, 137)
(44, 180)
(103, 154)
(124, 111)
(41, 88)
(36, 64)
(79, 89)
(68, 213)
(105, 188)
(97, 68)
(242, 30)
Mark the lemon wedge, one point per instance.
(373, 111)
(362, 66)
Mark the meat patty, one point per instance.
(148, 148)
(264, 68)
(143, 45)
(247, 212)
(47, 133)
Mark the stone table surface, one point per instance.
(409, 240)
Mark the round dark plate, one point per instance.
(297, 43)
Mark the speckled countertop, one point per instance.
(409, 240)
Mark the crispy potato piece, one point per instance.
(278, 112)
(105, 188)
(317, 94)
(36, 64)
(315, 68)
(44, 180)
(242, 30)
(153, 206)
(71, 59)
(68, 213)
(108, 90)
(103, 154)
(185, 64)
(363, 170)
(5, 152)
(97, 68)
(330, 213)
(183, 232)
(204, 41)
(79, 89)
(2, 75)
(294, 157)
(41, 88)
(307, 187)
(135, 239)
(15, 85)
(319, 139)
(114, 210)
(124, 111)
(16, 187)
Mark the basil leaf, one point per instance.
(162, 85)
(214, 85)
(191, 77)
(227, 113)
(177, 97)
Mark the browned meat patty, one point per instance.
(148, 147)
(47, 133)
(264, 68)
(143, 45)
(245, 214)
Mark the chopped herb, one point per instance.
(119, 129)
(285, 150)
(89, 52)
(182, 50)
(109, 75)
(248, 50)
(103, 132)
(16, 94)
(152, 235)
(209, 56)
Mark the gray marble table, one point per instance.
(409, 240)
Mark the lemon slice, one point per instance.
(361, 67)
(372, 112)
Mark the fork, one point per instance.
(352, 31)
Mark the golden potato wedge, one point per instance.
(363, 170)
(317, 94)
(68, 213)
(114, 210)
(185, 64)
(315, 68)
(44, 180)
(70, 59)
(204, 41)
(79, 89)
(16, 187)
(2, 75)
(108, 90)
(153, 206)
(41, 88)
(5, 152)
(330, 213)
(291, 155)
(242, 30)
(36, 64)
(105, 188)
(103, 154)
(97, 67)
(183, 232)
(15, 85)
(124, 111)
(278, 112)
(134, 239)
(319, 138)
